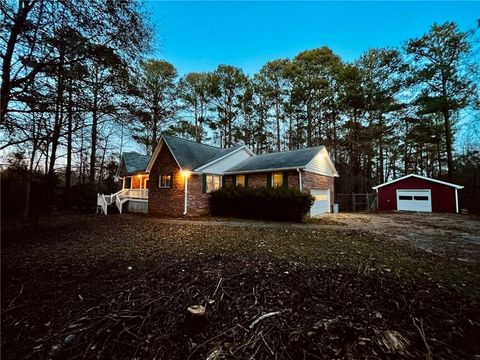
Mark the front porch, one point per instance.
(133, 197)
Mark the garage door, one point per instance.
(414, 200)
(322, 202)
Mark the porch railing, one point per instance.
(119, 198)
(135, 193)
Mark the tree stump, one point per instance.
(196, 319)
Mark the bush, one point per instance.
(267, 203)
(17, 185)
(80, 197)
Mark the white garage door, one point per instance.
(322, 202)
(414, 200)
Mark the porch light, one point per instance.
(185, 173)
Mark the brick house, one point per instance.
(181, 173)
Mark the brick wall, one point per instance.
(315, 181)
(293, 179)
(260, 179)
(198, 202)
(170, 201)
(229, 180)
(255, 180)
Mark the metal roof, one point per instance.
(191, 155)
(135, 162)
(418, 177)
(279, 160)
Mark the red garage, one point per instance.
(418, 193)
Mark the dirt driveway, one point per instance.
(453, 235)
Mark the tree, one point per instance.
(16, 24)
(272, 82)
(229, 84)
(381, 81)
(436, 68)
(156, 102)
(195, 91)
(311, 72)
(51, 51)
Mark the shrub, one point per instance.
(17, 185)
(80, 197)
(267, 203)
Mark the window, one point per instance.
(214, 182)
(321, 197)
(240, 180)
(405, 197)
(277, 179)
(165, 181)
(424, 198)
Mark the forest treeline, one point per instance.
(77, 85)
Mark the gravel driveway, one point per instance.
(453, 235)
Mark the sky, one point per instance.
(199, 36)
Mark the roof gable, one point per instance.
(191, 155)
(322, 164)
(418, 177)
(277, 161)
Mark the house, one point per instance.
(177, 179)
(418, 193)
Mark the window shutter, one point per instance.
(246, 180)
(223, 181)
(204, 183)
(285, 179)
(159, 180)
(269, 180)
(171, 180)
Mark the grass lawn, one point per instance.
(118, 287)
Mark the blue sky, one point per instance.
(198, 36)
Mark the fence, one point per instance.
(356, 202)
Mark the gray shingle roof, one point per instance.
(135, 162)
(191, 155)
(280, 160)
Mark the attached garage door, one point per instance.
(414, 200)
(322, 202)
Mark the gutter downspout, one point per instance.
(456, 200)
(186, 196)
(300, 183)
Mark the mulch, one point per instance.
(107, 307)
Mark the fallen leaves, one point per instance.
(122, 293)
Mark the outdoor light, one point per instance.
(185, 173)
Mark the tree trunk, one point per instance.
(195, 116)
(309, 126)
(93, 153)
(277, 115)
(405, 155)
(68, 168)
(448, 144)
(381, 160)
(55, 138)
(24, 7)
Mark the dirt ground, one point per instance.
(118, 287)
(453, 235)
